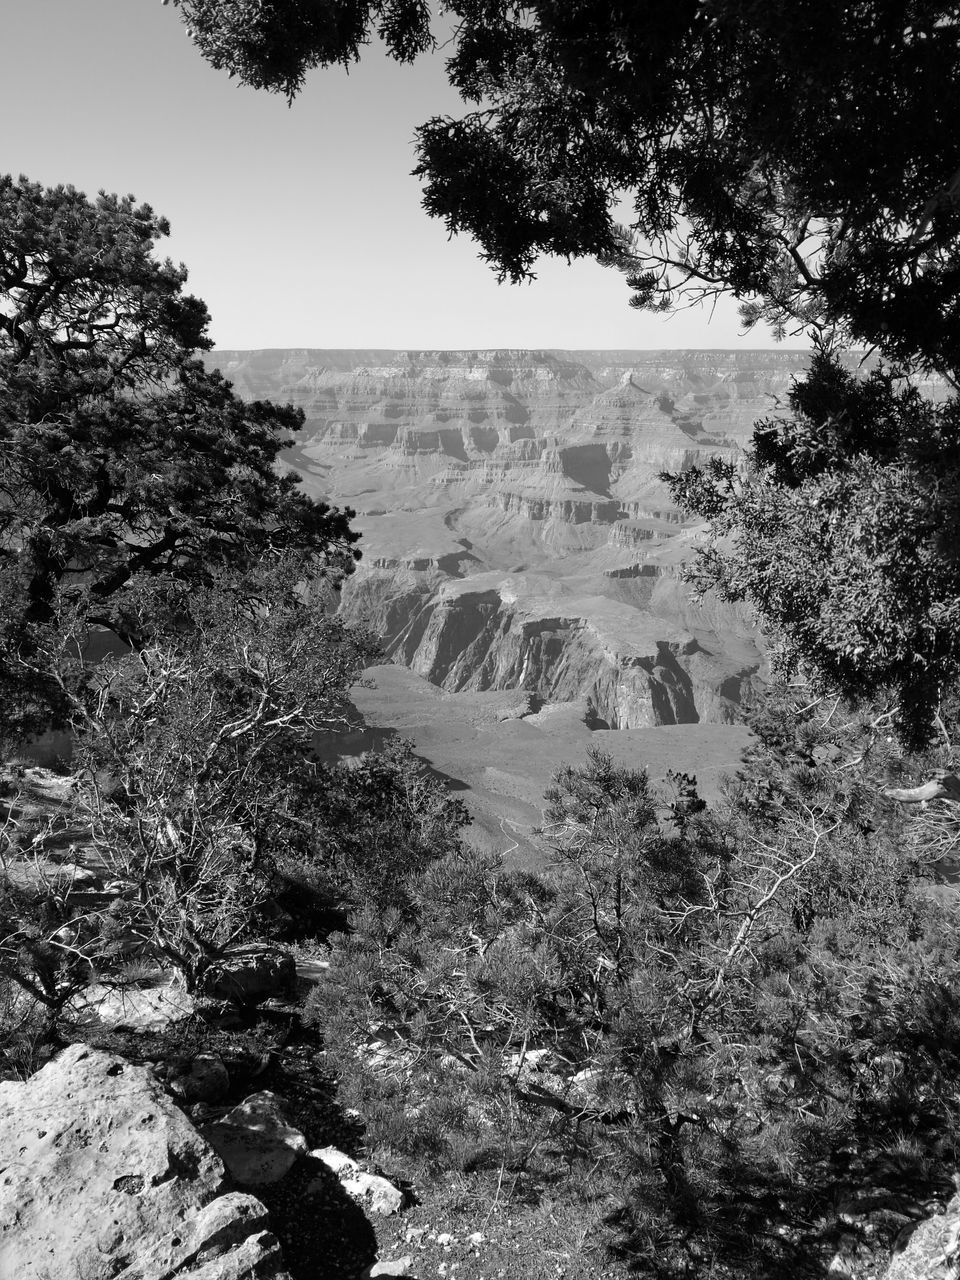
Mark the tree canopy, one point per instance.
(801, 156)
(121, 457)
(731, 1027)
(841, 530)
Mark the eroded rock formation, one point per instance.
(516, 532)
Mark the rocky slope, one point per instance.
(515, 532)
(104, 1176)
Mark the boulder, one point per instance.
(311, 970)
(376, 1194)
(533, 1060)
(337, 1162)
(101, 1175)
(251, 975)
(255, 1142)
(392, 1267)
(77, 877)
(931, 1250)
(387, 1056)
(144, 1008)
(205, 1080)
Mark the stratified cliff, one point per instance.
(516, 534)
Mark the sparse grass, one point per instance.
(549, 1237)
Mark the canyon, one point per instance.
(521, 555)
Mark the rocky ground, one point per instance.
(204, 1137)
(208, 1150)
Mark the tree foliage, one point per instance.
(272, 44)
(372, 826)
(804, 155)
(730, 1017)
(121, 457)
(839, 530)
(201, 799)
(195, 750)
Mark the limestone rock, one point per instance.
(311, 970)
(932, 1250)
(392, 1267)
(231, 1242)
(102, 1176)
(464, 463)
(145, 1008)
(521, 551)
(77, 876)
(255, 1142)
(533, 1061)
(252, 974)
(336, 1161)
(376, 1194)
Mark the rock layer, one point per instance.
(516, 533)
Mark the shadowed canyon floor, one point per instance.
(520, 552)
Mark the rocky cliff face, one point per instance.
(516, 534)
(525, 632)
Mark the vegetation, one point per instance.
(733, 1032)
(838, 530)
(121, 458)
(375, 824)
(193, 757)
(737, 1017)
(802, 159)
(140, 497)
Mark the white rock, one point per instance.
(255, 1141)
(928, 1250)
(450, 1062)
(392, 1267)
(375, 1193)
(103, 1175)
(311, 969)
(150, 1008)
(337, 1161)
(378, 1056)
(532, 1060)
(79, 877)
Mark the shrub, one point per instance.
(371, 826)
(192, 753)
(735, 1014)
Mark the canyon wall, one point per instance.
(516, 534)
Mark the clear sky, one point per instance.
(300, 226)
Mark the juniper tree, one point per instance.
(121, 457)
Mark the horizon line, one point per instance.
(482, 347)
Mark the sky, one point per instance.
(300, 226)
